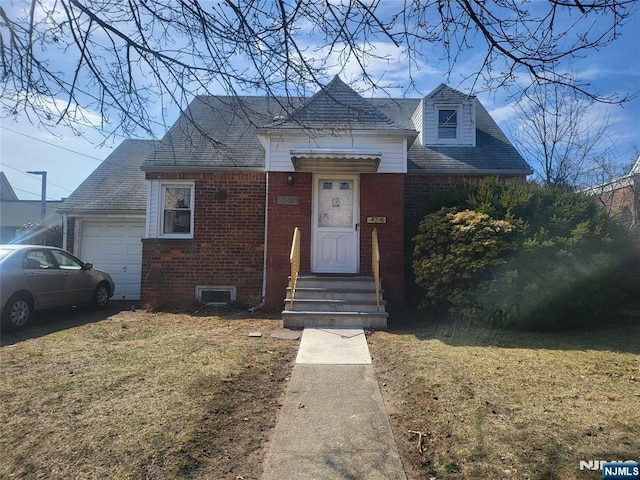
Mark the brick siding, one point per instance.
(228, 243)
(71, 233)
(282, 220)
(382, 195)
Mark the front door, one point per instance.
(335, 224)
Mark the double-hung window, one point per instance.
(177, 210)
(447, 124)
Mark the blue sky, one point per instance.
(69, 158)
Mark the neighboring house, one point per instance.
(621, 197)
(105, 217)
(6, 190)
(15, 213)
(234, 176)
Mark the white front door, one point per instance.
(335, 224)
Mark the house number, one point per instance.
(376, 219)
(288, 200)
(335, 202)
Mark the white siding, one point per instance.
(393, 150)
(153, 199)
(417, 119)
(466, 127)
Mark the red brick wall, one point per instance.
(282, 220)
(417, 187)
(227, 248)
(622, 204)
(382, 195)
(71, 234)
(228, 244)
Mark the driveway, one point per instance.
(46, 322)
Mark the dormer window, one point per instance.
(447, 124)
(446, 118)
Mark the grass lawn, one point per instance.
(142, 395)
(469, 403)
(165, 396)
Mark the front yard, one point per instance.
(493, 404)
(142, 395)
(163, 396)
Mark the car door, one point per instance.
(43, 277)
(78, 280)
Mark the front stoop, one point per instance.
(334, 301)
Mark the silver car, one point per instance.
(36, 277)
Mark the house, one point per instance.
(15, 213)
(234, 176)
(621, 197)
(105, 216)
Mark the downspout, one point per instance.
(267, 168)
(266, 231)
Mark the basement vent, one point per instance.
(215, 295)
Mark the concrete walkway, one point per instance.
(333, 423)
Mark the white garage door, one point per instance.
(115, 248)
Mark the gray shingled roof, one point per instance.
(117, 184)
(338, 107)
(218, 132)
(445, 94)
(493, 153)
(6, 190)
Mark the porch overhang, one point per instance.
(336, 161)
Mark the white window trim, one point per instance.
(459, 117)
(163, 187)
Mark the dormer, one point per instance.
(446, 117)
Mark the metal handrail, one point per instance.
(294, 260)
(375, 264)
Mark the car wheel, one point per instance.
(17, 312)
(100, 296)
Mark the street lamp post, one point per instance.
(43, 200)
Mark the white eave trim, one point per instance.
(337, 131)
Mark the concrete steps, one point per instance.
(335, 301)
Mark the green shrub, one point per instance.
(520, 255)
(455, 249)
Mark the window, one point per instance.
(215, 295)
(66, 261)
(447, 124)
(38, 259)
(177, 210)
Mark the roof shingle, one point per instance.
(116, 185)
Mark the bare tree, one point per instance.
(567, 141)
(130, 60)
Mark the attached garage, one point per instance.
(115, 247)
(104, 218)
